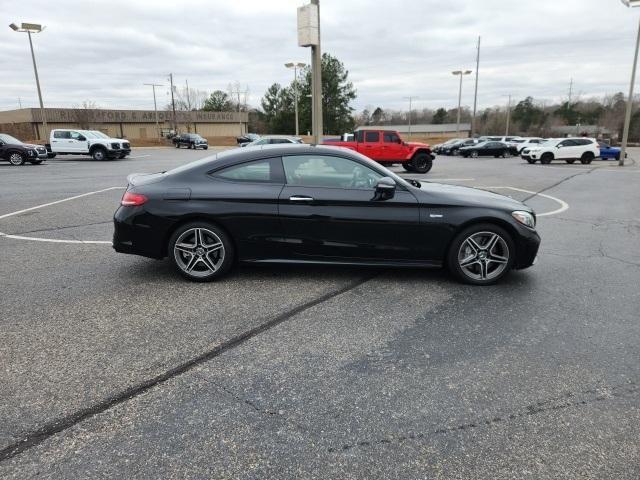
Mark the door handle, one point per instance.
(300, 198)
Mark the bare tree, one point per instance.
(82, 114)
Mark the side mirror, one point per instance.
(385, 189)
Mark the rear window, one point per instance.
(258, 171)
(61, 134)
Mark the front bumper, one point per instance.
(527, 245)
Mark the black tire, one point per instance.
(407, 166)
(206, 148)
(507, 246)
(177, 145)
(546, 158)
(201, 270)
(474, 154)
(422, 162)
(99, 154)
(570, 161)
(16, 158)
(506, 154)
(587, 158)
(36, 162)
(455, 152)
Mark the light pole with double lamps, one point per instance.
(461, 73)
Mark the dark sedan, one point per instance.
(486, 149)
(318, 205)
(455, 147)
(191, 140)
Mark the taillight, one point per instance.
(130, 199)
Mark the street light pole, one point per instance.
(30, 28)
(155, 105)
(316, 73)
(295, 67)
(173, 105)
(508, 115)
(475, 95)
(627, 117)
(461, 74)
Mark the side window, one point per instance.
(371, 137)
(328, 171)
(75, 135)
(360, 136)
(390, 137)
(567, 143)
(261, 171)
(62, 134)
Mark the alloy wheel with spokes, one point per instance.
(16, 159)
(201, 251)
(481, 254)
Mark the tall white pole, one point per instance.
(475, 95)
(627, 118)
(295, 94)
(35, 69)
(508, 116)
(459, 106)
(316, 75)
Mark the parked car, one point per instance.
(319, 205)
(504, 139)
(190, 140)
(454, 148)
(567, 149)
(272, 140)
(437, 149)
(608, 152)
(519, 144)
(247, 138)
(84, 142)
(17, 153)
(486, 149)
(387, 147)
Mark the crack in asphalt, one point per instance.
(566, 179)
(568, 400)
(54, 229)
(36, 437)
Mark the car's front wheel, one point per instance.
(546, 158)
(99, 154)
(16, 158)
(587, 158)
(481, 254)
(201, 251)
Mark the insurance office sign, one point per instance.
(63, 115)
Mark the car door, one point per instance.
(329, 211)
(77, 142)
(567, 149)
(371, 145)
(244, 199)
(392, 147)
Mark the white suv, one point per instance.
(519, 144)
(87, 142)
(567, 149)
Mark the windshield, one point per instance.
(9, 139)
(99, 134)
(89, 134)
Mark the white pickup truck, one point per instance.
(87, 142)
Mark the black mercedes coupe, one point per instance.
(318, 205)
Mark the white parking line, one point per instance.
(563, 205)
(138, 156)
(54, 240)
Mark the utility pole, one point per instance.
(237, 92)
(173, 105)
(188, 106)
(475, 95)
(570, 93)
(155, 105)
(410, 98)
(627, 116)
(20, 103)
(508, 116)
(316, 91)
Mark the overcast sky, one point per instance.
(103, 51)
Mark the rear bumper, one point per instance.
(138, 233)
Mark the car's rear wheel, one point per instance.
(421, 162)
(481, 254)
(546, 158)
(475, 154)
(99, 154)
(506, 154)
(16, 158)
(201, 251)
(587, 158)
(407, 166)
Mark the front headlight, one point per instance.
(525, 218)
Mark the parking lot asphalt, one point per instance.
(113, 366)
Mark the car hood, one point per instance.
(457, 195)
(417, 144)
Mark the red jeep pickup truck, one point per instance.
(387, 147)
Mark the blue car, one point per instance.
(607, 152)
